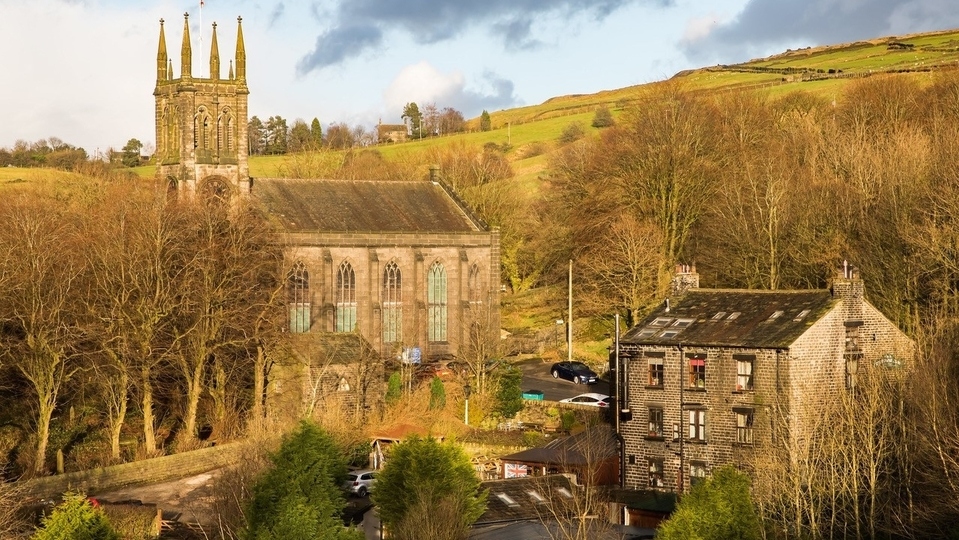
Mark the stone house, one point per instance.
(391, 133)
(713, 374)
(405, 265)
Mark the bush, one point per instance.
(76, 519)
(534, 149)
(394, 388)
(572, 133)
(300, 497)
(717, 509)
(437, 394)
(602, 118)
(428, 489)
(509, 397)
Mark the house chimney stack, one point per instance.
(848, 287)
(685, 278)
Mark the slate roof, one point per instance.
(362, 206)
(530, 508)
(525, 497)
(589, 446)
(733, 318)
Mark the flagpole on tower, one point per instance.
(201, 33)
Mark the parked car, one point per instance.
(434, 369)
(592, 399)
(360, 482)
(575, 371)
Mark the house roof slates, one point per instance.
(752, 328)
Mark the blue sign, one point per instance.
(412, 355)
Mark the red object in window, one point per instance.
(697, 362)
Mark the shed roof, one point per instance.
(588, 446)
(362, 206)
(733, 318)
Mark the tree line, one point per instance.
(52, 152)
(146, 318)
(276, 136)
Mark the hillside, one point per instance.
(820, 70)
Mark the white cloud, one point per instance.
(422, 83)
(698, 28)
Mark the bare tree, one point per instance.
(40, 303)
(579, 509)
(226, 284)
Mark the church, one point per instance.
(406, 265)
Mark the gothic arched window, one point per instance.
(298, 295)
(474, 285)
(226, 132)
(436, 302)
(392, 304)
(201, 129)
(345, 298)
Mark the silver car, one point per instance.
(360, 482)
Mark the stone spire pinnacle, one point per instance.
(162, 56)
(214, 57)
(186, 51)
(240, 52)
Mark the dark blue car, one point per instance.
(577, 372)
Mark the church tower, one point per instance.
(201, 123)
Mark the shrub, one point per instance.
(394, 388)
(76, 519)
(428, 489)
(300, 496)
(602, 118)
(437, 394)
(572, 133)
(509, 397)
(717, 509)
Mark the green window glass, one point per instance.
(298, 293)
(392, 304)
(436, 302)
(345, 299)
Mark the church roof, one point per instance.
(733, 318)
(362, 206)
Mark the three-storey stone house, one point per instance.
(713, 373)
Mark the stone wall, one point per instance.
(149, 471)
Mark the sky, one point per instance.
(84, 70)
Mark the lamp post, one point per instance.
(466, 410)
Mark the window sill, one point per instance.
(743, 391)
(695, 441)
(695, 388)
(742, 445)
(654, 387)
(658, 438)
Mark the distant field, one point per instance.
(32, 178)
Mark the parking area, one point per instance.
(536, 376)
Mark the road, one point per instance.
(536, 376)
